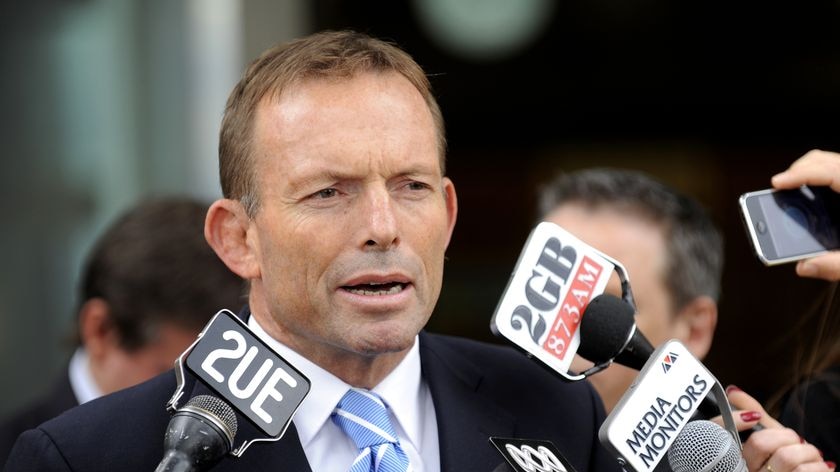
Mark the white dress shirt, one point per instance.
(327, 447)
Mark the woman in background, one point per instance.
(811, 405)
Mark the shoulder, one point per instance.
(512, 375)
(489, 357)
(125, 427)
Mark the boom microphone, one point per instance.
(703, 446)
(198, 435)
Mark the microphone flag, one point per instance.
(553, 281)
(245, 372)
(657, 406)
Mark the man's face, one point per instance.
(354, 216)
(639, 245)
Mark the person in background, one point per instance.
(674, 255)
(811, 405)
(150, 283)
(669, 245)
(338, 212)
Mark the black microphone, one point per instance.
(198, 435)
(608, 331)
(703, 446)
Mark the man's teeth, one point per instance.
(376, 290)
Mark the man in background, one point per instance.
(666, 241)
(150, 283)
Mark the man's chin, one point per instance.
(385, 340)
(383, 345)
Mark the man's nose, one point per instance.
(381, 230)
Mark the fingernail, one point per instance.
(831, 464)
(732, 388)
(779, 178)
(750, 415)
(806, 268)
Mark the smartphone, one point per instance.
(788, 225)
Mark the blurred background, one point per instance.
(105, 102)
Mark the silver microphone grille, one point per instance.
(217, 408)
(703, 446)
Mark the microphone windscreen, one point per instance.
(605, 328)
(705, 446)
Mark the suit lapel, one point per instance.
(466, 419)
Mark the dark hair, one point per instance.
(324, 55)
(153, 266)
(815, 335)
(694, 245)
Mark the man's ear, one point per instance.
(451, 206)
(227, 229)
(699, 319)
(97, 332)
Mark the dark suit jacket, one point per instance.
(479, 390)
(60, 399)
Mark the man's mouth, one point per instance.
(374, 289)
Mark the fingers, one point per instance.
(781, 450)
(814, 168)
(774, 448)
(747, 411)
(825, 266)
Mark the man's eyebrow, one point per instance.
(317, 178)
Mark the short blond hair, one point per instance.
(328, 54)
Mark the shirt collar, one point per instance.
(81, 379)
(400, 390)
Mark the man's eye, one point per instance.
(417, 186)
(325, 193)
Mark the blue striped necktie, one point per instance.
(363, 416)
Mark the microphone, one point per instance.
(198, 435)
(608, 331)
(703, 446)
(248, 379)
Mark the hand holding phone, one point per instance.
(792, 224)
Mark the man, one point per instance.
(150, 283)
(668, 244)
(338, 213)
(674, 255)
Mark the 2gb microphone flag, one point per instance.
(552, 283)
